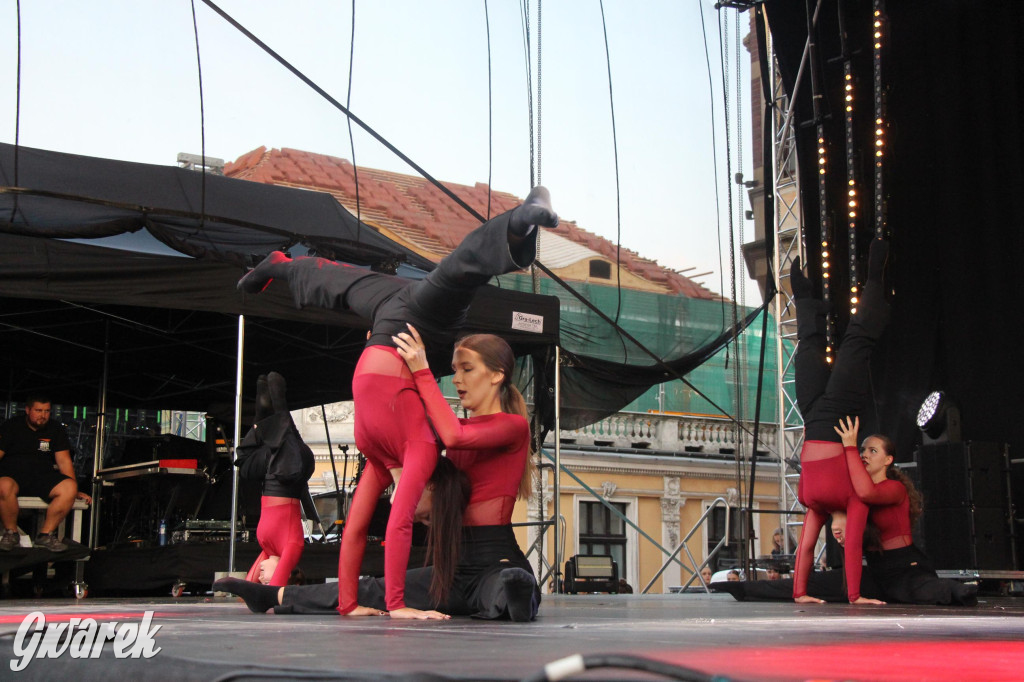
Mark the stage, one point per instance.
(206, 638)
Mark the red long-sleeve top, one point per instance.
(492, 449)
(888, 501)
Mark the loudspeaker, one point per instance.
(963, 475)
(956, 539)
(966, 489)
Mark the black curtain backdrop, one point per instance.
(954, 75)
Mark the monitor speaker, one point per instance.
(963, 475)
(966, 490)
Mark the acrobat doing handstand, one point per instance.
(824, 397)
(391, 427)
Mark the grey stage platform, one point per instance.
(207, 639)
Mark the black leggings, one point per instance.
(477, 590)
(906, 576)
(436, 305)
(824, 396)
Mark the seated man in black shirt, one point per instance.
(35, 460)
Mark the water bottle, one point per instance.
(163, 532)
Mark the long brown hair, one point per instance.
(450, 490)
(497, 356)
(872, 537)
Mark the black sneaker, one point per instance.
(49, 541)
(9, 540)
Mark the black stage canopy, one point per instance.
(953, 74)
(118, 260)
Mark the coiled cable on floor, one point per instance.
(573, 665)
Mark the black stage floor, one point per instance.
(219, 639)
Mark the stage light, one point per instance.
(939, 419)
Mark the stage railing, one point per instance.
(724, 542)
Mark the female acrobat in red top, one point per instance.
(823, 398)
(492, 579)
(391, 428)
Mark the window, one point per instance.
(602, 532)
(729, 555)
(600, 269)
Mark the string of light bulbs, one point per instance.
(878, 34)
(851, 182)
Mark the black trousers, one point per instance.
(435, 305)
(477, 590)
(825, 396)
(907, 577)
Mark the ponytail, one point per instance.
(512, 401)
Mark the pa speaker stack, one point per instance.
(967, 510)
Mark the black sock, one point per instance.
(264, 408)
(536, 210)
(258, 597)
(277, 386)
(878, 253)
(519, 593)
(798, 283)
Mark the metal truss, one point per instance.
(788, 246)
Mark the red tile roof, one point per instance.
(419, 214)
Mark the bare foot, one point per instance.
(808, 599)
(415, 614)
(865, 600)
(366, 611)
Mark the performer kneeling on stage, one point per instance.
(391, 428)
(493, 579)
(902, 570)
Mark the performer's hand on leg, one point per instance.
(847, 430)
(410, 347)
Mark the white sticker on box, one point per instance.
(525, 322)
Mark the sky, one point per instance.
(119, 79)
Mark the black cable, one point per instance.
(455, 198)
(490, 112)
(540, 90)
(615, 146)
(525, 11)
(723, 53)
(573, 665)
(351, 140)
(714, 158)
(17, 116)
(338, 105)
(202, 122)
